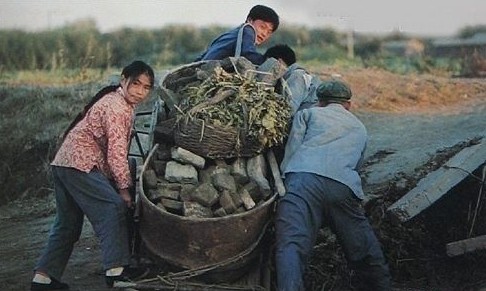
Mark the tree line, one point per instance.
(82, 45)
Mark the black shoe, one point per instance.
(54, 285)
(128, 275)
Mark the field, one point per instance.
(415, 123)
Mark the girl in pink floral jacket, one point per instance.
(91, 177)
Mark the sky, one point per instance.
(415, 17)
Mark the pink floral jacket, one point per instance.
(101, 140)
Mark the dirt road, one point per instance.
(412, 139)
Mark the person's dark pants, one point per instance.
(91, 194)
(310, 202)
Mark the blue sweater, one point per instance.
(225, 46)
(301, 87)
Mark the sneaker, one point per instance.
(127, 276)
(54, 285)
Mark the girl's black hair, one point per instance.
(136, 69)
(130, 72)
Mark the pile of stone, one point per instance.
(186, 184)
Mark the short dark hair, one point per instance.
(264, 13)
(281, 51)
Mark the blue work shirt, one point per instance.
(301, 87)
(225, 46)
(328, 141)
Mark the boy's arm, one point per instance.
(248, 47)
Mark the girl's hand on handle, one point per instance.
(125, 195)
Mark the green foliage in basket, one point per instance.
(232, 100)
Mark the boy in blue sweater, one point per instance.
(260, 24)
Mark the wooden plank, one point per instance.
(272, 161)
(438, 183)
(465, 246)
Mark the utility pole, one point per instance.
(350, 43)
(349, 27)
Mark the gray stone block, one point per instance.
(194, 209)
(224, 181)
(186, 157)
(238, 170)
(176, 172)
(150, 179)
(205, 194)
(227, 202)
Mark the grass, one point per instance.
(32, 118)
(35, 109)
(54, 77)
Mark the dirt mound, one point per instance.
(382, 91)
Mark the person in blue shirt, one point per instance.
(323, 188)
(299, 85)
(260, 24)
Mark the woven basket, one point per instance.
(207, 140)
(213, 141)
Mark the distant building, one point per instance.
(459, 47)
(407, 48)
